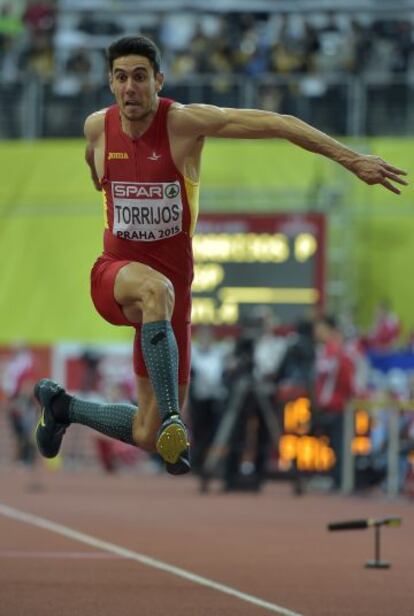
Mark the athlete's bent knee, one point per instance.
(158, 299)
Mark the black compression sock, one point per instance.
(160, 351)
(115, 420)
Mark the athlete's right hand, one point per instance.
(374, 170)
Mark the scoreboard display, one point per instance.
(248, 260)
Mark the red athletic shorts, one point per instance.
(103, 276)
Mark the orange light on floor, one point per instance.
(306, 456)
(310, 453)
(314, 454)
(361, 445)
(325, 460)
(297, 416)
(288, 447)
(362, 422)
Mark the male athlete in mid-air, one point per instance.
(144, 155)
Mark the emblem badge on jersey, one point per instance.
(171, 191)
(154, 156)
(147, 211)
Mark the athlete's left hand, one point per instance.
(374, 170)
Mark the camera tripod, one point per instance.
(245, 387)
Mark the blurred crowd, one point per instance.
(240, 389)
(39, 38)
(326, 67)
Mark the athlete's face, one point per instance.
(135, 87)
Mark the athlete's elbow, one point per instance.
(294, 130)
(284, 126)
(89, 154)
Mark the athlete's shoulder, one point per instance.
(95, 125)
(194, 110)
(195, 117)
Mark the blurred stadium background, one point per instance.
(347, 68)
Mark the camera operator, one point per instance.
(249, 378)
(296, 371)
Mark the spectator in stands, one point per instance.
(404, 39)
(270, 348)
(286, 56)
(37, 60)
(40, 17)
(22, 413)
(355, 349)
(259, 41)
(184, 63)
(199, 50)
(84, 70)
(333, 387)
(93, 24)
(16, 387)
(330, 53)
(16, 370)
(386, 331)
(10, 26)
(360, 44)
(311, 46)
(296, 370)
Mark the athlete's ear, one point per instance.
(159, 81)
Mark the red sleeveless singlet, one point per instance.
(150, 208)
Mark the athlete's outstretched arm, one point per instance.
(210, 121)
(93, 130)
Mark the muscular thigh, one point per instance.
(130, 287)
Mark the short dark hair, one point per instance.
(135, 46)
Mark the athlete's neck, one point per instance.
(135, 128)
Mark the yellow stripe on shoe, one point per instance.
(41, 421)
(171, 442)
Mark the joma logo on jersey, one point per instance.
(138, 191)
(117, 155)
